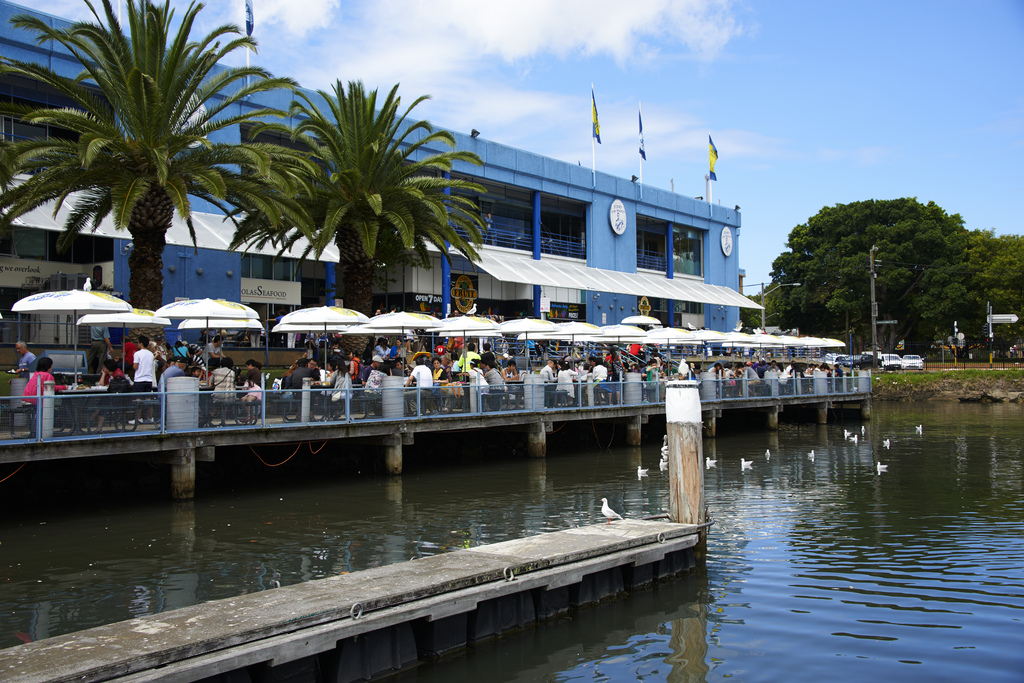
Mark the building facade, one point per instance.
(561, 241)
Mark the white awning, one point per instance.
(512, 267)
(213, 231)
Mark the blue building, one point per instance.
(561, 240)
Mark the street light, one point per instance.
(770, 290)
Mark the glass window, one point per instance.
(258, 266)
(687, 248)
(30, 243)
(285, 269)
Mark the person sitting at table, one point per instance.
(222, 377)
(373, 366)
(254, 384)
(422, 378)
(35, 382)
(175, 369)
(565, 393)
(109, 370)
(548, 377)
(441, 374)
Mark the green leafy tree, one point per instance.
(923, 279)
(997, 267)
(145, 107)
(377, 189)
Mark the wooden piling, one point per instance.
(685, 455)
(183, 475)
(392, 453)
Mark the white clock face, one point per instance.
(617, 217)
(726, 241)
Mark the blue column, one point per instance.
(446, 269)
(670, 271)
(536, 249)
(330, 284)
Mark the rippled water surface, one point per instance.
(816, 570)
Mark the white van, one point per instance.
(890, 361)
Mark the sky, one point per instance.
(810, 103)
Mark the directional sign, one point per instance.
(886, 322)
(1004, 318)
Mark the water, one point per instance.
(815, 570)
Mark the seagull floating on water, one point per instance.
(746, 464)
(855, 439)
(920, 429)
(767, 454)
(608, 512)
(640, 472)
(863, 430)
(663, 465)
(881, 468)
(886, 444)
(709, 463)
(846, 433)
(810, 456)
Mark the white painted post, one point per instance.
(46, 405)
(685, 454)
(305, 413)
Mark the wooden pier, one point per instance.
(361, 625)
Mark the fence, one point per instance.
(186, 407)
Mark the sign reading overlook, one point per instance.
(271, 291)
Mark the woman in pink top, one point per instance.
(42, 374)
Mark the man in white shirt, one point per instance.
(143, 364)
(421, 374)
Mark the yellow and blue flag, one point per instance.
(597, 126)
(712, 157)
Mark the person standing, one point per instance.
(26, 360)
(144, 369)
(99, 348)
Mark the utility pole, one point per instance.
(874, 310)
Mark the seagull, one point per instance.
(88, 285)
(640, 472)
(846, 433)
(920, 429)
(690, 325)
(881, 468)
(863, 430)
(886, 444)
(746, 464)
(767, 454)
(663, 465)
(810, 456)
(709, 463)
(608, 512)
(471, 311)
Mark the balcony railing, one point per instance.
(651, 260)
(95, 414)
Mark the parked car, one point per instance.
(911, 362)
(890, 361)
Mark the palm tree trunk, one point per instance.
(357, 282)
(148, 227)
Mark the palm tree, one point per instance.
(377, 190)
(145, 106)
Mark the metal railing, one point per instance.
(651, 260)
(90, 414)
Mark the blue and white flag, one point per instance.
(250, 24)
(643, 154)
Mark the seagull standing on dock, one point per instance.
(608, 512)
(881, 468)
(640, 472)
(746, 464)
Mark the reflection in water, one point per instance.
(816, 570)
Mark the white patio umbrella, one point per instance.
(320, 319)
(623, 333)
(206, 308)
(136, 316)
(400, 321)
(641, 320)
(530, 328)
(74, 302)
(667, 336)
(224, 323)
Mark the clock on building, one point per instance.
(727, 240)
(617, 217)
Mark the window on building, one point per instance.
(264, 267)
(687, 250)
